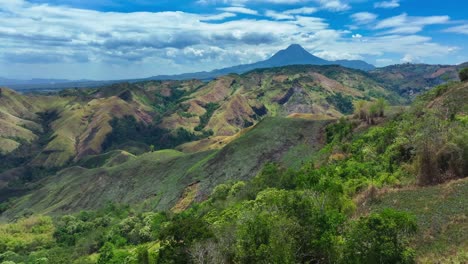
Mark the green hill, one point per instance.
(380, 186)
(157, 179)
(42, 134)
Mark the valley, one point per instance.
(269, 150)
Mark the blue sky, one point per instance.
(114, 39)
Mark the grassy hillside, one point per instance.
(42, 134)
(157, 179)
(441, 215)
(375, 187)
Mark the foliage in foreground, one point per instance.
(281, 215)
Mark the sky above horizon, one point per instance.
(117, 39)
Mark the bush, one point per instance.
(381, 238)
(463, 74)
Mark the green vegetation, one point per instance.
(369, 111)
(124, 177)
(440, 211)
(128, 127)
(411, 79)
(343, 104)
(381, 238)
(205, 118)
(376, 187)
(463, 74)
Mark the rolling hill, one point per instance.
(49, 133)
(127, 180)
(80, 120)
(410, 80)
(336, 187)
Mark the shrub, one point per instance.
(463, 74)
(381, 238)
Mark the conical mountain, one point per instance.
(294, 54)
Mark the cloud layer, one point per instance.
(123, 45)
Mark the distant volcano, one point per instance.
(295, 54)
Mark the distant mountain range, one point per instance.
(295, 54)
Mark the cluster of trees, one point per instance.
(439, 138)
(344, 104)
(368, 111)
(205, 118)
(128, 127)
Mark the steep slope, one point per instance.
(238, 101)
(20, 119)
(80, 120)
(157, 179)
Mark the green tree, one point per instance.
(463, 74)
(381, 238)
(106, 253)
(381, 104)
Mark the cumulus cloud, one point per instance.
(387, 4)
(408, 58)
(333, 5)
(363, 17)
(112, 45)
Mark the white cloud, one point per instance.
(333, 5)
(408, 58)
(363, 17)
(239, 9)
(462, 29)
(278, 16)
(330, 5)
(404, 24)
(334, 55)
(387, 4)
(77, 43)
(244, 2)
(301, 11)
